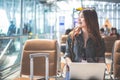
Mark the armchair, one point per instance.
(44, 46)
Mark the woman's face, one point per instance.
(113, 31)
(81, 20)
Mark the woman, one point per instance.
(84, 43)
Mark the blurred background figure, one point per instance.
(68, 31)
(26, 29)
(63, 40)
(102, 32)
(12, 29)
(63, 49)
(114, 32)
(107, 30)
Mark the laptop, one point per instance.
(87, 71)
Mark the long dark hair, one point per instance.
(91, 20)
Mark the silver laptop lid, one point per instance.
(87, 71)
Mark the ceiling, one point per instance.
(113, 1)
(7, 3)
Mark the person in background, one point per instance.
(68, 31)
(26, 29)
(63, 48)
(102, 32)
(107, 30)
(114, 32)
(64, 37)
(84, 43)
(11, 29)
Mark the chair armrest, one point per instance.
(32, 56)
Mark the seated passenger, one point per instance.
(63, 40)
(102, 32)
(114, 32)
(68, 31)
(107, 30)
(84, 43)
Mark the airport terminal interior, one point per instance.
(23, 20)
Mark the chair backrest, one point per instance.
(116, 57)
(63, 39)
(109, 42)
(40, 46)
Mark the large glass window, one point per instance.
(105, 10)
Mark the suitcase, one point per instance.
(32, 56)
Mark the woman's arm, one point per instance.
(68, 47)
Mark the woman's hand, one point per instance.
(68, 60)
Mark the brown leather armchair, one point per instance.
(109, 42)
(34, 46)
(116, 60)
(109, 45)
(63, 39)
(63, 43)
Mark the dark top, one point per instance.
(76, 52)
